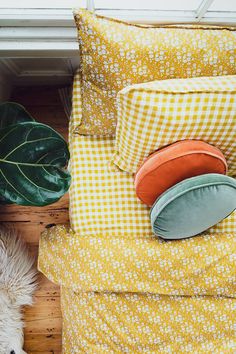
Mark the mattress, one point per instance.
(124, 290)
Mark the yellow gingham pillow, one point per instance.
(103, 202)
(155, 114)
(115, 54)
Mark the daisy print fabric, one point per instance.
(117, 323)
(115, 54)
(122, 295)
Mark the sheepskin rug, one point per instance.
(17, 285)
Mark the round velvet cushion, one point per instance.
(174, 163)
(193, 205)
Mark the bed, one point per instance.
(122, 289)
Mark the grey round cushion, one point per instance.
(193, 205)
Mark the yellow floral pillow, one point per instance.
(116, 54)
(155, 114)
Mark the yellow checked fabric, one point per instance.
(155, 114)
(116, 54)
(103, 201)
(100, 201)
(147, 323)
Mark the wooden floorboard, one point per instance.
(43, 320)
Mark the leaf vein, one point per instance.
(39, 187)
(27, 142)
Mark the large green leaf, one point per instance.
(32, 161)
(12, 113)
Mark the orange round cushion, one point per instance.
(174, 163)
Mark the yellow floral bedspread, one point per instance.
(124, 291)
(147, 323)
(135, 295)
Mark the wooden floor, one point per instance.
(43, 320)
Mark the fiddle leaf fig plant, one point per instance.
(33, 159)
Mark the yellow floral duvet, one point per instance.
(124, 291)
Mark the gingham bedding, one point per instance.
(158, 113)
(124, 291)
(102, 200)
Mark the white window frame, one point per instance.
(50, 32)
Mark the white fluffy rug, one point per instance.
(17, 284)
